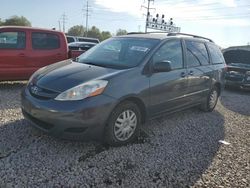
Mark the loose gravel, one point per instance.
(178, 150)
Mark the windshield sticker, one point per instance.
(139, 48)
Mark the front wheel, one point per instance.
(211, 101)
(123, 125)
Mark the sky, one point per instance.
(227, 22)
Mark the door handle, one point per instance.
(183, 74)
(191, 73)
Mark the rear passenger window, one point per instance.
(45, 41)
(12, 40)
(196, 54)
(215, 53)
(170, 51)
(70, 39)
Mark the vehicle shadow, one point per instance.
(232, 99)
(173, 151)
(183, 146)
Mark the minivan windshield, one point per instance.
(119, 53)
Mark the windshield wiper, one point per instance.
(89, 63)
(106, 65)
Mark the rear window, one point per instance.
(70, 39)
(12, 40)
(216, 55)
(45, 41)
(196, 54)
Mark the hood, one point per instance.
(67, 74)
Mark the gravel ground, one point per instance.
(178, 150)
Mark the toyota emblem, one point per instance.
(34, 89)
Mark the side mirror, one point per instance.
(162, 66)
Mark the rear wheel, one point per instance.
(211, 101)
(123, 125)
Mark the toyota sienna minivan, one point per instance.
(120, 83)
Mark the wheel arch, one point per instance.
(141, 105)
(218, 86)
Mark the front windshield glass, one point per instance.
(119, 53)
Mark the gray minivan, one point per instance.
(122, 82)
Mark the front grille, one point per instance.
(234, 79)
(42, 93)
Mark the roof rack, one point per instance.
(190, 35)
(132, 33)
(172, 34)
(160, 32)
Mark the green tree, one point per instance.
(18, 21)
(94, 32)
(77, 30)
(121, 32)
(105, 35)
(1, 23)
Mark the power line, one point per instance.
(148, 13)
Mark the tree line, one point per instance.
(15, 20)
(77, 30)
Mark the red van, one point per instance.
(23, 50)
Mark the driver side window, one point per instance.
(170, 51)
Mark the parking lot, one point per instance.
(177, 150)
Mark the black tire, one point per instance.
(208, 105)
(111, 138)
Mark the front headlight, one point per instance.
(82, 91)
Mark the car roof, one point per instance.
(29, 28)
(88, 38)
(145, 35)
(80, 43)
(162, 36)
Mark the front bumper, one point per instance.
(76, 120)
(238, 84)
(242, 82)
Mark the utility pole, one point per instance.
(148, 13)
(59, 23)
(87, 17)
(64, 21)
